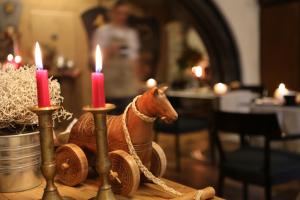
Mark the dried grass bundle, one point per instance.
(18, 93)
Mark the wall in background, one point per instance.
(280, 45)
(41, 21)
(243, 19)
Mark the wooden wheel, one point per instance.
(71, 164)
(127, 172)
(158, 160)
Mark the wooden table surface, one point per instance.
(89, 189)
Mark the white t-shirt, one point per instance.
(109, 32)
(120, 74)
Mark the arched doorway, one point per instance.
(151, 18)
(218, 39)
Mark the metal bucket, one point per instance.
(20, 162)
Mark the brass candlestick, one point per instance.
(47, 147)
(103, 164)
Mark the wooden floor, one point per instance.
(198, 173)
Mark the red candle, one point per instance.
(98, 97)
(41, 79)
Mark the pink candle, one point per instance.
(41, 79)
(98, 97)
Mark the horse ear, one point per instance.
(155, 91)
(164, 88)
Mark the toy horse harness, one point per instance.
(137, 159)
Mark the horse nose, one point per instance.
(175, 116)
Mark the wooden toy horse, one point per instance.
(131, 147)
(72, 158)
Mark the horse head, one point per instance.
(160, 105)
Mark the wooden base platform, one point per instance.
(89, 189)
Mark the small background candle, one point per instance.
(10, 58)
(98, 97)
(197, 71)
(14, 61)
(18, 60)
(41, 79)
(151, 83)
(220, 88)
(280, 92)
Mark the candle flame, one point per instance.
(38, 56)
(98, 59)
(198, 71)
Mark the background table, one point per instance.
(89, 189)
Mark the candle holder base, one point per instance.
(54, 195)
(104, 194)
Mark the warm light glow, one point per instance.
(38, 56)
(10, 57)
(281, 86)
(60, 61)
(281, 91)
(98, 59)
(18, 59)
(220, 88)
(198, 71)
(151, 83)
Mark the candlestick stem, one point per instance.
(47, 150)
(103, 164)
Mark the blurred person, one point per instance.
(120, 45)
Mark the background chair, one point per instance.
(254, 165)
(191, 118)
(258, 89)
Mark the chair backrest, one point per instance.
(237, 101)
(258, 89)
(252, 124)
(193, 107)
(248, 124)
